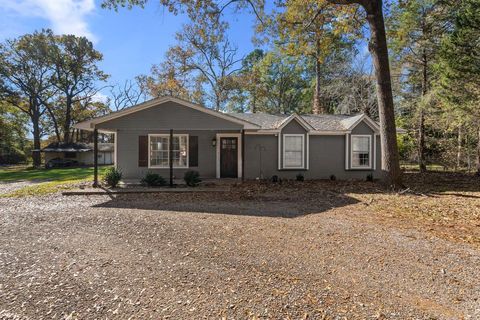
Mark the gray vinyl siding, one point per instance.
(169, 115)
(326, 156)
(127, 157)
(261, 156)
(326, 152)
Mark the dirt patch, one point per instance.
(313, 250)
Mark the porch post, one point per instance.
(243, 154)
(95, 158)
(170, 157)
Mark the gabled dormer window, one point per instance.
(361, 147)
(293, 151)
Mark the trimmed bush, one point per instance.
(192, 178)
(112, 177)
(153, 180)
(300, 177)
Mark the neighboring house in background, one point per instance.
(234, 145)
(81, 152)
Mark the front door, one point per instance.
(228, 157)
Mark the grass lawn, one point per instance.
(46, 180)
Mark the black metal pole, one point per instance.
(170, 157)
(95, 158)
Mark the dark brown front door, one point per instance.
(228, 157)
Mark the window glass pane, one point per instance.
(360, 159)
(360, 151)
(293, 143)
(360, 143)
(293, 151)
(159, 151)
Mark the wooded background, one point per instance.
(311, 58)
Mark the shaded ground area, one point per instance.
(297, 250)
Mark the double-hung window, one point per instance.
(159, 155)
(293, 151)
(361, 149)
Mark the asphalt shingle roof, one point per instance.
(77, 147)
(321, 122)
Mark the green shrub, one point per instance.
(112, 176)
(300, 177)
(192, 178)
(153, 180)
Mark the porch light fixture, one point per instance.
(214, 142)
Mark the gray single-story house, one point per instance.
(81, 152)
(170, 136)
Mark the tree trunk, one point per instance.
(478, 152)
(68, 119)
(317, 108)
(378, 48)
(459, 147)
(55, 124)
(421, 126)
(37, 161)
(421, 142)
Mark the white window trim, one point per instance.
(168, 136)
(239, 152)
(369, 151)
(346, 151)
(303, 150)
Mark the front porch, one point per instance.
(215, 154)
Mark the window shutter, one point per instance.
(143, 151)
(193, 151)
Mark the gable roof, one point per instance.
(352, 122)
(297, 118)
(67, 147)
(90, 124)
(77, 147)
(255, 121)
(317, 122)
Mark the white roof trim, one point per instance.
(372, 124)
(88, 125)
(299, 119)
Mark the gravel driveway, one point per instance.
(10, 186)
(191, 256)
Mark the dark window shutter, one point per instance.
(193, 151)
(143, 151)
